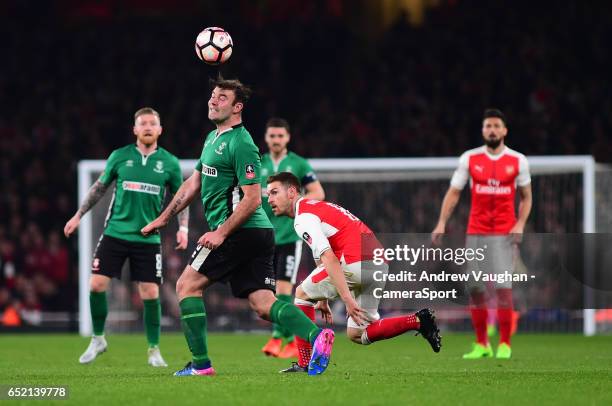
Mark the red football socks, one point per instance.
(304, 347)
(504, 314)
(479, 317)
(391, 327)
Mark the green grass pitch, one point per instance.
(546, 369)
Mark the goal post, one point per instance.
(342, 173)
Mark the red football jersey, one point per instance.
(493, 181)
(325, 225)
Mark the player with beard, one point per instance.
(495, 173)
(288, 249)
(343, 248)
(142, 173)
(239, 248)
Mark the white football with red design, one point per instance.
(214, 45)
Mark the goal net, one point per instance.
(571, 194)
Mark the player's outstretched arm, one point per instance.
(451, 198)
(95, 193)
(245, 208)
(185, 195)
(334, 270)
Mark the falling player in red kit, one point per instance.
(495, 173)
(343, 248)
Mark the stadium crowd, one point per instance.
(73, 78)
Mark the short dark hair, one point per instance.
(286, 178)
(278, 122)
(146, 110)
(242, 91)
(495, 113)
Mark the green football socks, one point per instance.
(193, 321)
(277, 330)
(293, 320)
(99, 310)
(152, 320)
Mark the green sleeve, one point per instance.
(247, 162)
(308, 175)
(110, 171)
(198, 166)
(176, 176)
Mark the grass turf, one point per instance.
(545, 369)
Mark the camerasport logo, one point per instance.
(249, 170)
(306, 237)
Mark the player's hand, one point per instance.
(211, 239)
(72, 225)
(517, 233)
(182, 238)
(437, 233)
(359, 315)
(326, 314)
(152, 227)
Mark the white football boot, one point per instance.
(155, 358)
(97, 346)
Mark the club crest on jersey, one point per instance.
(159, 167)
(249, 171)
(306, 237)
(209, 171)
(220, 148)
(509, 169)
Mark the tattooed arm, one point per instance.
(94, 194)
(182, 235)
(185, 195)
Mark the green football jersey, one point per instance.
(139, 190)
(283, 225)
(229, 160)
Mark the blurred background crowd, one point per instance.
(354, 78)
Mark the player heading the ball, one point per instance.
(239, 249)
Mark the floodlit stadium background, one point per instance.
(354, 78)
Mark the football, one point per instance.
(214, 45)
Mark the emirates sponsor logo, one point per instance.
(141, 187)
(493, 190)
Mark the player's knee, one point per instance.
(98, 284)
(260, 308)
(300, 294)
(354, 335)
(182, 287)
(261, 311)
(148, 291)
(261, 302)
(284, 288)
